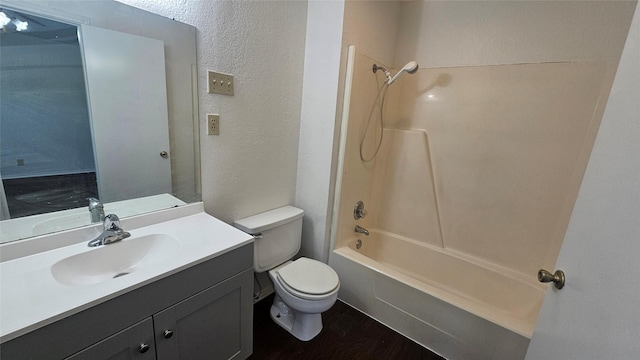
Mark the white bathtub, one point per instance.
(458, 307)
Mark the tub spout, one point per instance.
(361, 230)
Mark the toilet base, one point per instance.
(301, 325)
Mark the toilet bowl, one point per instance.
(305, 287)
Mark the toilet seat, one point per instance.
(308, 279)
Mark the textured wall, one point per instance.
(251, 166)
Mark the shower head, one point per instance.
(410, 68)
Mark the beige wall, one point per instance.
(469, 33)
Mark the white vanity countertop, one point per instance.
(30, 297)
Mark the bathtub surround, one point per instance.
(498, 196)
(505, 148)
(406, 261)
(422, 27)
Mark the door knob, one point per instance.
(557, 277)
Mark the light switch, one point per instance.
(219, 83)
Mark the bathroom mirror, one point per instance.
(93, 146)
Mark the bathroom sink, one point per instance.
(111, 261)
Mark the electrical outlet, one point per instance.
(213, 124)
(219, 83)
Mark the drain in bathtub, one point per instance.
(358, 244)
(120, 274)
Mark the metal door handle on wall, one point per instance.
(557, 277)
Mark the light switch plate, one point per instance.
(213, 124)
(219, 83)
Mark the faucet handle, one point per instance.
(111, 221)
(94, 203)
(359, 211)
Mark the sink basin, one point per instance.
(115, 260)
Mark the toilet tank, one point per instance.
(277, 235)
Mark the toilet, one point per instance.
(305, 287)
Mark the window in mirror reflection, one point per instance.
(47, 156)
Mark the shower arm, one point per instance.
(375, 69)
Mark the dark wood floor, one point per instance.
(44, 194)
(347, 334)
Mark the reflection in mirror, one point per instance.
(130, 126)
(83, 114)
(45, 135)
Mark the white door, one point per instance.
(126, 83)
(597, 314)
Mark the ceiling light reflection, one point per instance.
(20, 25)
(4, 19)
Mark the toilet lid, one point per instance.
(309, 276)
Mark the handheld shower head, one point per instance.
(410, 68)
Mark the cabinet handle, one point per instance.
(143, 348)
(167, 334)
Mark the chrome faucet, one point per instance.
(361, 230)
(96, 209)
(111, 232)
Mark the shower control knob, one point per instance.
(556, 278)
(358, 211)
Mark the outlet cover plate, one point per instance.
(213, 124)
(219, 83)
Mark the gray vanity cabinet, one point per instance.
(208, 325)
(202, 312)
(134, 342)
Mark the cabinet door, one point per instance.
(134, 342)
(213, 324)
